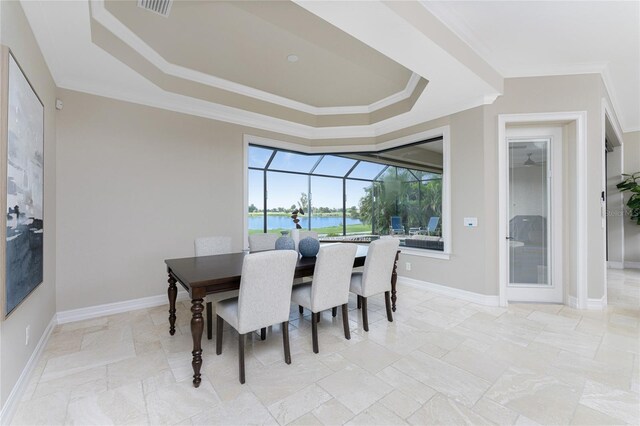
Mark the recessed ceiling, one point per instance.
(248, 43)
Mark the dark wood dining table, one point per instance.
(216, 274)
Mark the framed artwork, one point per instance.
(23, 164)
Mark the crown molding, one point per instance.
(105, 18)
(186, 105)
(442, 131)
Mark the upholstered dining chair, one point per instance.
(209, 246)
(376, 277)
(329, 287)
(264, 299)
(262, 242)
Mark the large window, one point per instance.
(397, 192)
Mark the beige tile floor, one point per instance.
(442, 361)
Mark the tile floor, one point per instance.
(442, 361)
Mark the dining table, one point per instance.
(204, 275)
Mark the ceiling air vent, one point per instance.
(161, 7)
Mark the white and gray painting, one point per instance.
(25, 169)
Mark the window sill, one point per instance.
(409, 251)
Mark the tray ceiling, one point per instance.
(249, 42)
(379, 72)
(365, 69)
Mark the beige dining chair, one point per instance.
(209, 246)
(329, 287)
(376, 277)
(264, 299)
(262, 242)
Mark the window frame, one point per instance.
(442, 133)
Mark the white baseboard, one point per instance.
(115, 308)
(10, 406)
(480, 299)
(592, 304)
(632, 265)
(597, 304)
(615, 265)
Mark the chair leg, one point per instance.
(334, 311)
(241, 357)
(285, 342)
(314, 331)
(387, 302)
(218, 335)
(319, 314)
(365, 316)
(359, 299)
(300, 309)
(345, 321)
(263, 333)
(209, 321)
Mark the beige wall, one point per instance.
(38, 308)
(136, 186)
(466, 269)
(139, 169)
(559, 94)
(631, 230)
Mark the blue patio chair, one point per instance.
(434, 221)
(396, 226)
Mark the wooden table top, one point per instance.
(206, 271)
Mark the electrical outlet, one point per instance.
(26, 335)
(407, 266)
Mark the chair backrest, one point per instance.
(262, 242)
(396, 223)
(332, 276)
(265, 289)
(305, 234)
(208, 246)
(433, 224)
(378, 266)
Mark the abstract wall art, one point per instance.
(24, 187)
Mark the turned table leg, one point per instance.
(197, 327)
(394, 280)
(172, 291)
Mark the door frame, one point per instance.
(580, 119)
(608, 115)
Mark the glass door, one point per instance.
(529, 216)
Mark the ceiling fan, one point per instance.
(530, 162)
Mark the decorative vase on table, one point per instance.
(309, 247)
(285, 242)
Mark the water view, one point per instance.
(284, 222)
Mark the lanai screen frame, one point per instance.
(344, 178)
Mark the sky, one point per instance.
(285, 190)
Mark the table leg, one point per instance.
(394, 280)
(197, 327)
(173, 292)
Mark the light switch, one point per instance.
(471, 222)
